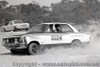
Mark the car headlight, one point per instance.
(24, 39)
(20, 39)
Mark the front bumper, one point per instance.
(16, 46)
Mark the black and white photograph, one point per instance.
(49, 33)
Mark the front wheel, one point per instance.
(33, 49)
(14, 51)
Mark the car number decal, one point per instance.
(56, 37)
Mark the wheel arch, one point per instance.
(34, 42)
(75, 40)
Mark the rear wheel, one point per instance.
(33, 49)
(76, 43)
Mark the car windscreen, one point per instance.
(37, 29)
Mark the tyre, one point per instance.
(33, 49)
(13, 51)
(76, 43)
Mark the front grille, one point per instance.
(12, 40)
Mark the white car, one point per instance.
(15, 25)
(46, 34)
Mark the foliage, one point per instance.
(76, 11)
(3, 4)
(64, 11)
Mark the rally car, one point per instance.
(46, 34)
(16, 25)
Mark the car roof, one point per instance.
(55, 23)
(16, 20)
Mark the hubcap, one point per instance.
(34, 49)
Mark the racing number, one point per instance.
(56, 37)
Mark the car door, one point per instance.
(51, 36)
(67, 33)
(56, 36)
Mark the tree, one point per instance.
(76, 11)
(3, 4)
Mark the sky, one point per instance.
(41, 2)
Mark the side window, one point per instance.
(65, 28)
(58, 28)
(54, 28)
(49, 28)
